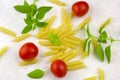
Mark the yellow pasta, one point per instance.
(3, 50)
(68, 33)
(51, 52)
(70, 57)
(53, 58)
(59, 29)
(45, 43)
(84, 54)
(101, 72)
(58, 2)
(21, 37)
(7, 31)
(91, 78)
(74, 38)
(64, 16)
(56, 47)
(81, 25)
(70, 15)
(75, 67)
(24, 63)
(52, 19)
(72, 41)
(77, 62)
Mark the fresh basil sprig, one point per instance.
(33, 15)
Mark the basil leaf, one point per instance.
(53, 38)
(42, 11)
(89, 46)
(36, 74)
(27, 29)
(104, 24)
(23, 8)
(100, 52)
(88, 31)
(108, 53)
(85, 44)
(41, 24)
(103, 37)
(34, 9)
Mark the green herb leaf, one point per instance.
(88, 31)
(89, 46)
(41, 24)
(104, 24)
(42, 11)
(53, 38)
(23, 8)
(103, 37)
(34, 9)
(108, 53)
(85, 44)
(36, 74)
(100, 52)
(26, 29)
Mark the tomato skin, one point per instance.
(28, 51)
(80, 8)
(59, 68)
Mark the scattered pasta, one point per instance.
(7, 31)
(91, 78)
(3, 50)
(22, 37)
(58, 2)
(101, 73)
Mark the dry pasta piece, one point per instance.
(64, 16)
(70, 45)
(21, 37)
(3, 50)
(7, 31)
(75, 67)
(68, 34)
(70, 57)
(59, 29)
(53, 58)
(91, 78)
(72, 41)
(45, 43)
(52, 19)
(74, 63)
(75, 38)
(101, 72)
(70, 15)
(24, 63)
(81, 25)
(58, 2)
(84, 54)
(51, 52)
(56, 47)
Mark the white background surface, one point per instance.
(100, 10)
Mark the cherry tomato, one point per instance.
(28, 51)
(59, 68)
(80, 8)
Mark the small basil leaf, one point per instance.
(28, 21)
(89, 42)
(88, 31)
(23, 8)
(108, 53)
(41, 24)
(42, 11)
(36, 74)
(85, 44)
(34, 9)
(100, 52)
(53, 38)
(103, 37)
(26, 29)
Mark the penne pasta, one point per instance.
(74, 38)
(64, 16)
(45, 43)
(53, 58)
(82, 25)
(70, 15)
(72, 41)
(21, 37)
(24, 63)
(57, 2)
(91, 78)
(52, 52)
(75, 67)
(3, 50)
(56, 47)
(77, 62)
(59, 29)
(70, 57)
(84, 54)
(101, 73)
(7, 31)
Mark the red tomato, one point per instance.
(59, 68)
(28, 51)
(80, 8)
